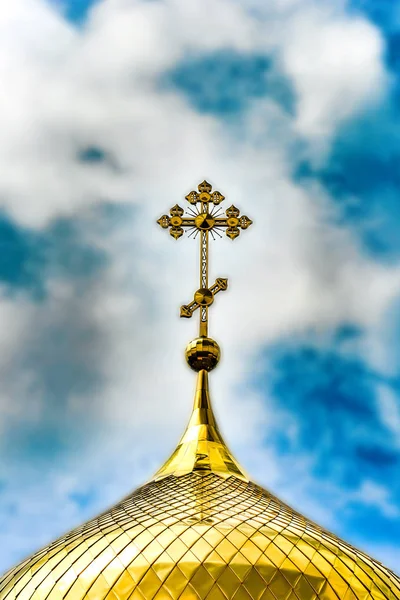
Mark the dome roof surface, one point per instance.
(200, 530)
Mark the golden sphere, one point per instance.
(204, 221)
(204, 297)
(233, 222)
(176, 221)
(202, 353)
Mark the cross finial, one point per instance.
(205, 217)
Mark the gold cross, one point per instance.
(204, 218)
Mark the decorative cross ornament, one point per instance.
(204, 218)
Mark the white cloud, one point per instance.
(336, 66)
(334, 62)
(388, 405)
(375, 495)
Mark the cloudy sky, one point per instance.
(110, 113)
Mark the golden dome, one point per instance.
(200, 530)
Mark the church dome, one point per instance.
(200, 529)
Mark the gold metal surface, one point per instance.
(200, 530)
(201, 447)
(204, 297)
(200, 536)
(203, 353)
(204, 219)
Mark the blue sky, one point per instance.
(113, 113)
(76, 10)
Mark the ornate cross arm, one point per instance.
(204, 297)
(204, 219)
(233, 222)
(176, 222)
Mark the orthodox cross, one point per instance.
(204, 218)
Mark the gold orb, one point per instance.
(202, 353)
(233, 222)
(204, 297)
(204, 221)
(176, 221)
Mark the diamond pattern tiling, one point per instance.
(200, 536)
